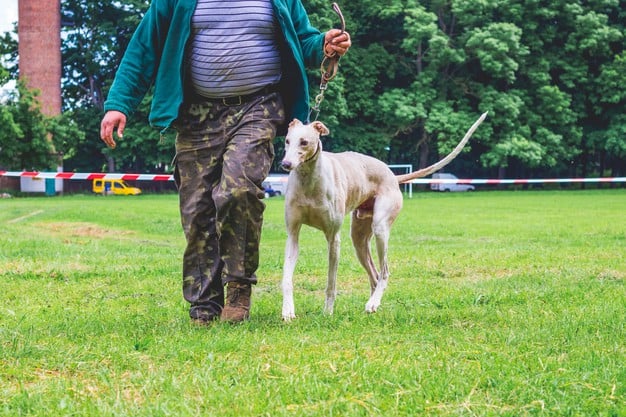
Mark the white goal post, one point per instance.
(408, 168)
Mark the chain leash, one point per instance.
(329, 67)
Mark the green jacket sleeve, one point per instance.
(138, 67)
(311, 39)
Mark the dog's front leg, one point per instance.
(291, 256)
(334, 242)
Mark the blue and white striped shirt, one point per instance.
(234, 49)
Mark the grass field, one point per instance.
(499, 304)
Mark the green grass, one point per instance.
(499, 304)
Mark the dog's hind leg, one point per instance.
(384, 215)
(334, 243)
(381, 246)
(291, 256)
(361, 234)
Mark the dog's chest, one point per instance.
(321, 217)
(318, 207)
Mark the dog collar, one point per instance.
(317, 151)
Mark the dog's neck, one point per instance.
(316, 154)
(306, 170)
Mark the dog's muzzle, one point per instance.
(286, 165)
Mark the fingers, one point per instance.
(106, 134)
(120, 128)
(111, 121)
(337, 41)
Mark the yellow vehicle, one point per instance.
(116, 187)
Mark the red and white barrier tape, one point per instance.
(516, 181)
(90, 176)
(283, 178)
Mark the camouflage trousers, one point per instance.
(223, 154)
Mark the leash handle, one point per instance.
(337, 10)
(330, 63)
(343, 21)
(328, 68)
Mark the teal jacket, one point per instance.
(155, 55)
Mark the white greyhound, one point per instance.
(323, 187)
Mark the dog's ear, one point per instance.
(295, 122)
(319, 126)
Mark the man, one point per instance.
(227, 75)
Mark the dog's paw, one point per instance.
(371, 307)
(328, 310)
(288, 317)
(288, 314)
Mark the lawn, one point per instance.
(508, 303)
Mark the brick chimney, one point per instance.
(39, 32)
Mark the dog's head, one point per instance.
(302, 143)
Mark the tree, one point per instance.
(551, 76)
(541, 70)
(94, 41)
(29, 140)
(95, 36)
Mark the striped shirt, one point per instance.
(234, 49)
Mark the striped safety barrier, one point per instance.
(89, 176)
(516, 181)
(283, 178)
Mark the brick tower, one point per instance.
(39, 32)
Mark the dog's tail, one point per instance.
(445, 161)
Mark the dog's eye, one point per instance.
(304, 142)
(286, 141)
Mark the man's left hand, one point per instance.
(336, 42)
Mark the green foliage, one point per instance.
(403, 108)
(9, 147)
(447, 126)
(93, 46)
(611, 83)
(29, 140)
(498, 49)
(92, 49)
(25, 137)
(4, 76)
(67, 137)
(616, 145)
(551, 76)
(592, 34)
(420, 26)
(8, 57)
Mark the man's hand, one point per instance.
(112, 120)
(336, 42)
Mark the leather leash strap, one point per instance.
(329, 67)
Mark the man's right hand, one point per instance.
(112, 119)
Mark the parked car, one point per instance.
(116, 187)
(450, 184)
(269, 191)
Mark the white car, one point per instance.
(450, 184)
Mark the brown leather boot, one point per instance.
(237, 308)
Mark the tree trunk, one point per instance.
(111, 164)
(423, 150)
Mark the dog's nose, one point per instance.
(286, 165)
